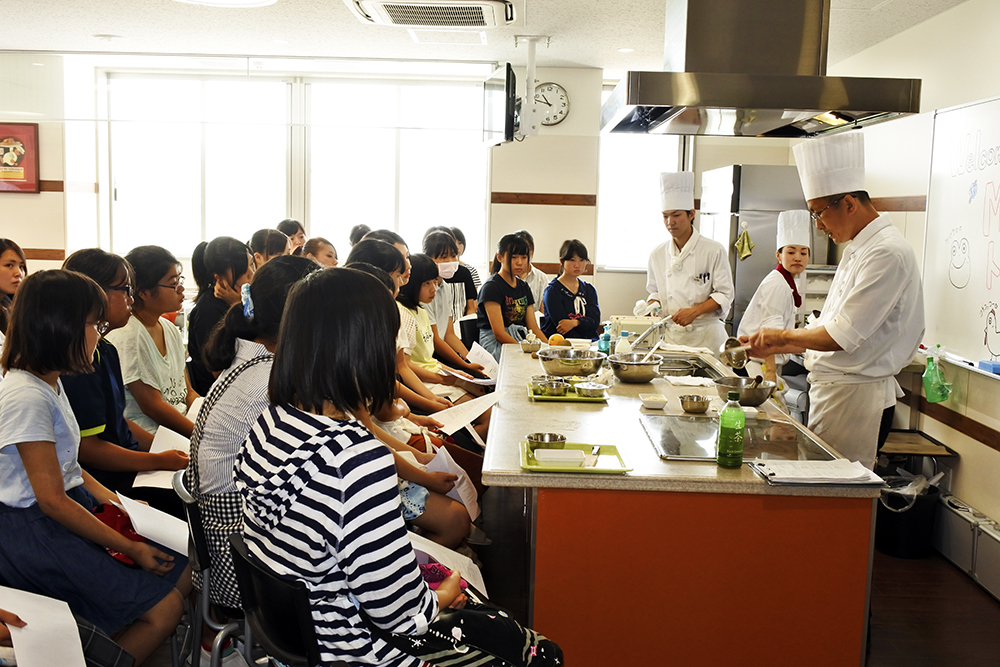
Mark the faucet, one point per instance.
(656, 326)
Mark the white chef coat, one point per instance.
(772, 307)
(681, 278)
(875, 312)
(537, 280)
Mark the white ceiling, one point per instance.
(585, 33)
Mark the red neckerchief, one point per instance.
(790, 279)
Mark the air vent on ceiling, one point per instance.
(434, 13)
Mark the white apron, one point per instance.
(711, 335)
(847, 415)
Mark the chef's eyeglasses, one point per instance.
(816, 216)
(177, 287)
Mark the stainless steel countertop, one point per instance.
(615, 423)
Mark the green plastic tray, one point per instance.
(610, 461)
(570, 397)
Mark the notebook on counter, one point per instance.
(837, 472)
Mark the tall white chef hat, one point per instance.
(677, 191)
(794, 228)
(832, 165)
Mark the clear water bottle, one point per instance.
(732, 423)
(623, 346)
(604, 343)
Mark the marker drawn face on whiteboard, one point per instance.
(960, 269)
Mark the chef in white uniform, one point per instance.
(779, 296)
(873, 319)
(688, 276)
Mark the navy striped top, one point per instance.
(321, 504)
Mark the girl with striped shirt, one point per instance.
(320, 500)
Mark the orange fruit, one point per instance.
(558, 339)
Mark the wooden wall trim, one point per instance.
(51, 186)
(961, 423)
(917, 203)
(542, 198)
(48, 254)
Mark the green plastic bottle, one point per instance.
(935, 387)
(732, 423)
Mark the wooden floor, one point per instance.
(928, 613)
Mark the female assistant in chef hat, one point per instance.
(778, 298)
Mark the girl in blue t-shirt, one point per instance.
(52, 543)
(506, 309)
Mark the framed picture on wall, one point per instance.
(19, 157)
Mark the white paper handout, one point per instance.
(453, 560)
(488, 382)
(837, 471)
(463, 491)
(157, 526)
(49, 637)
(163, 441)
(479, 355)
(454, 418)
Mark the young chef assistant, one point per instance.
(688, 276)
(776, 301)
(873, 319)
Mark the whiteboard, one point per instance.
(962, 243)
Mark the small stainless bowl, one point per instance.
(552, 388)
(750, 397)
(694, 403)
(538, 380)
(531, 345)
(564, 361)
(545, 438)
(591, 389)
(631, 367)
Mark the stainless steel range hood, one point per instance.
(751, 68)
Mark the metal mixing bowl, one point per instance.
(567, 361)
(694, 403)
(676, 367)
(556, 388)
(631, 367)
(748, 396)
(537, 380)
(531, 345)
(591, 389)
(545, 438)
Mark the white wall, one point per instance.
(956, 57)
(32, 93)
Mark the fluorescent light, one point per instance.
(235, 4)
(625, 50)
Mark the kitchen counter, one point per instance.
(674, 561)
(617, 423)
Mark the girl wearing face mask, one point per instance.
(570, 303)
(465, 290)
(441, 248)
(13, 269)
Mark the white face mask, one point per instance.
(447, 269)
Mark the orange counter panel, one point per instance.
(645, 578)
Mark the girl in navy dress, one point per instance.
(52, 543)
(571, 304)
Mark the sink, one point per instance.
(702, 368)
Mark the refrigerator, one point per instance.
(750, 197)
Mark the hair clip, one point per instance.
(247, 301)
